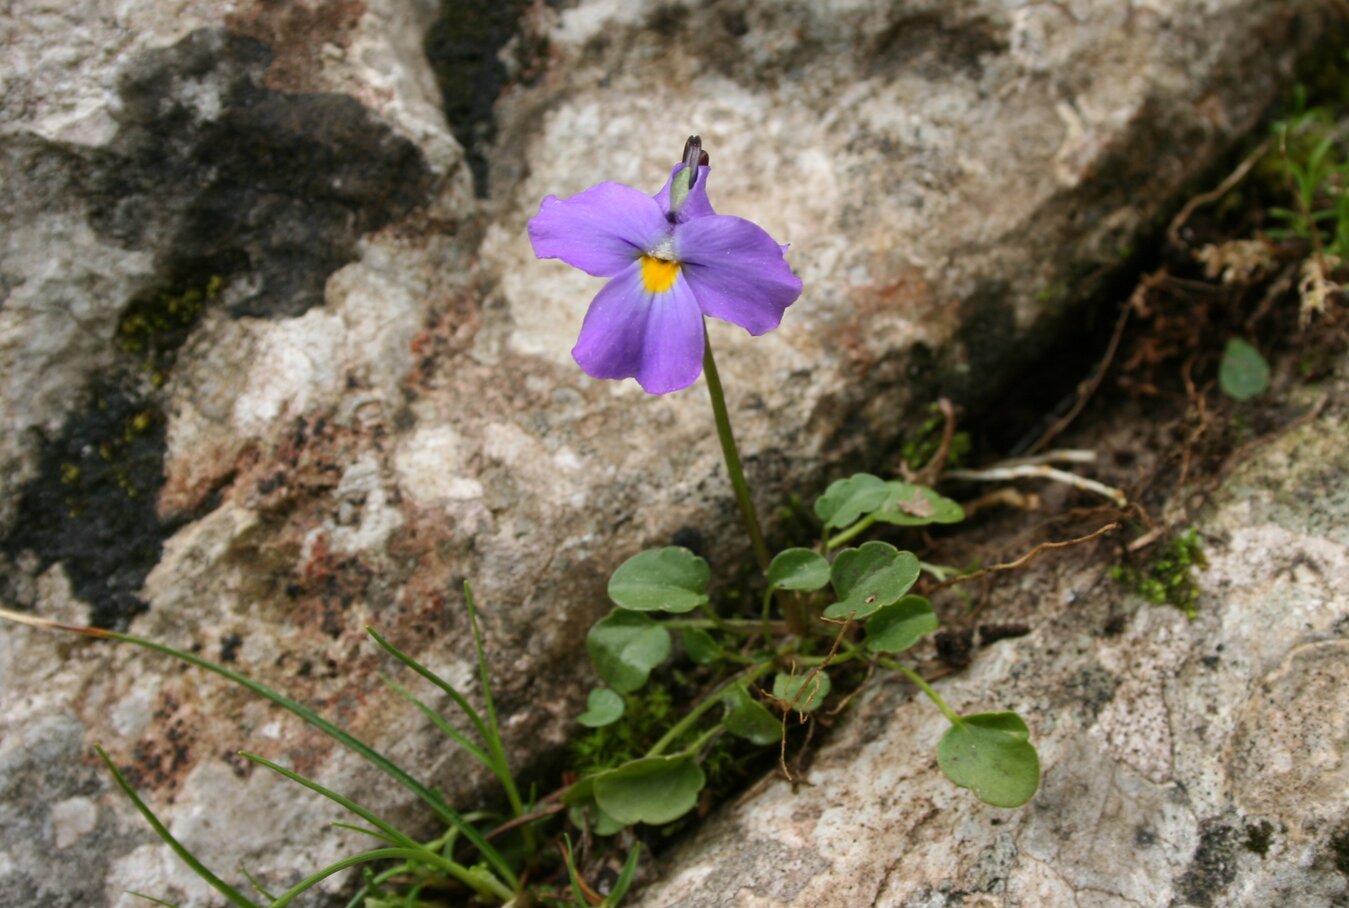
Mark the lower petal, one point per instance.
(629, 332)
(736, 271)
(674, 341)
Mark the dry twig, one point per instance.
(1206, 198)
(1024, 559)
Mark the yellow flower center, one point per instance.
(658, 275)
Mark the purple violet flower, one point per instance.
(671, 260)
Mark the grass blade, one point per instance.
(493, 738)
(188, 858)
(373, 833)
(149, 898)
(458, 698)
(477, 881)
(314, 879)
(446, 813)
(625, 878)
(252, 881)
(439, 722)
(577, 887)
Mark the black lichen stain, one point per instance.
(1339, 850)
(1259, 836)
(219, 174)
(1213, 867)
(462, 47)
(245, 196)
(229, 647)
(1090, 690)
(92, 507)
(155, 324)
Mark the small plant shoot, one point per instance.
(1243, 372)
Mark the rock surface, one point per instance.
(273, 371)
(1186, 763)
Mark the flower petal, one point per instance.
(629, 332)
(695, 204)
(736, 271)
(601, 231)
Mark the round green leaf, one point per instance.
(788, 689)
(912, 505)
(847, 500)
(651, 790)
(869, 578)
(671, 579)
(580, 801)
(699, 646)
(625, 646)
(603, 707)
(600, 822)
(798, 569)
(1243, 372)
(899, 626)
(747, 718)
(990, 754)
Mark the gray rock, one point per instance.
(375, 398)
(1207, 769)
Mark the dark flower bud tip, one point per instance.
(694, 157)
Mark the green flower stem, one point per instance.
(683, 725)
(732, 456)
(692, 749)
(836, 659)
(851, 532)
(939, 571)
(712, 616)
(745, 626)
(926, 688)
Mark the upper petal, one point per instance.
(656, 338)
(601, 231)
(736, 271)
(695, 204)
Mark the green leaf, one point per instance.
(898, 626)
(869, 578)
(603, 707)
(625, 878)
(788, 689)
(625, 646)
(652, 790)
(229, 892)
(580, 798)
(912, 505)
(603, 823)
(847, 500)
(1243, 372)
(569, 858)
(990, 754)
(798, 569)
(747, 718)
(671, 579)
(699, 646)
